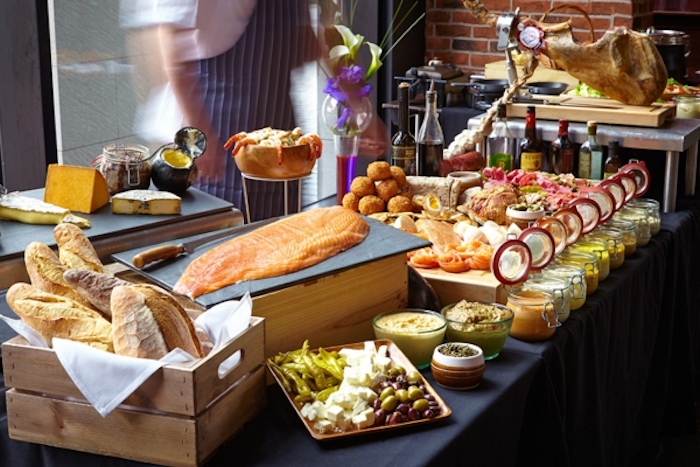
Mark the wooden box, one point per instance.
(481, 286)
(335, 309)
(185, 411)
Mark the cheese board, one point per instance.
(471, 285)
(583, 109)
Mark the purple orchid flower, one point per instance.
(349, 86)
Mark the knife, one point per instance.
(562, 103)
(171, 250)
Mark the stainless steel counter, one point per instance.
(673, 137)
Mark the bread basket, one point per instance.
(265, 162)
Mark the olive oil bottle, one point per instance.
(501, 143)
(403, 143)
(530, 155)
(590, 160)
(613, 162)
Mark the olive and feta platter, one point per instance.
(355, 389)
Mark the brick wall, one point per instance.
(455, 36)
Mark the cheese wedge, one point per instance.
(151, 202)
(17, 207)
(81, 189)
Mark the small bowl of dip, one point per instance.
(484, 324)
(415, 331)
(458, 365)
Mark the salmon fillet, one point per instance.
(283, 247)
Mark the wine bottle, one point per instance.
(500, 144)
(431, 140)
(590, 159)
(530, 156)
(561, 151)
(613, 162)
(403, 144)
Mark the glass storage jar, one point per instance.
(640, 218)
(125, 166)
(653, 208)
(557, 287)
(535, 318)
(575, 277)
(629, 234)
(613, 239)
(586, 261)
(601, 251)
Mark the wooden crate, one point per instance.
(335, 309)
(479, 286)
(189, 406)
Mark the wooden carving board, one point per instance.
(582, 109)
(471, 285)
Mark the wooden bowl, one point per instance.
(460, 380)
(263, 161)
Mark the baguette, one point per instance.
(136, 331)
(75, 250)
(54, 315)
(176, 326)
(96, 287)
(46, 272)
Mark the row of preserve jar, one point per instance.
(559, 260)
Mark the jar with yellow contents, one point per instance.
(535, 317)
(613, 239)
(576, 280)
(588, 262)
(629, 234)
(653, 208)
(600, 249)
(640, 218)
(557, 287)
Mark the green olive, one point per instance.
(394, 372)
(402, 395)
(388, 391)
(402, 370)
(389, 404)
(413, 377)
(421, 405)
(415, 393)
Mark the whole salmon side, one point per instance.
(288, 245)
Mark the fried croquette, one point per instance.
(387, 189)
(351, 201)
(400, 203)
(378, 170)
(399, 175)
(363, 186)
(371, 204)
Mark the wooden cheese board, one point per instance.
(582, 109)
(471, 285)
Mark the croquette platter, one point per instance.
(382, 241)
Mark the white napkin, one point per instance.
(106, 379)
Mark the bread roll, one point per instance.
(176, 326)
(46, 272)
(58, 316)
(136, 331)
(96, 287)
(75, 250)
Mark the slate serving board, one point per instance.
(381, 242)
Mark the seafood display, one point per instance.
(288, 245)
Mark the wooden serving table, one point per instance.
(672, 137)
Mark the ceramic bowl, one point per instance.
(443, 359)
(460, 380)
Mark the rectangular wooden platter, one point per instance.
(471, 285)
(398, 358)
(582, 109)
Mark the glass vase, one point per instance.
(346, 159)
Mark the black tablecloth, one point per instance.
(621, 371)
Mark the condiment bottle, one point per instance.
(431, 140)
(500, 145)
(530, 156)
(613, 162)
(561, 151)
(590, 158)
(403, 144)
(535, 318)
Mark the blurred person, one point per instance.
(225, 68)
